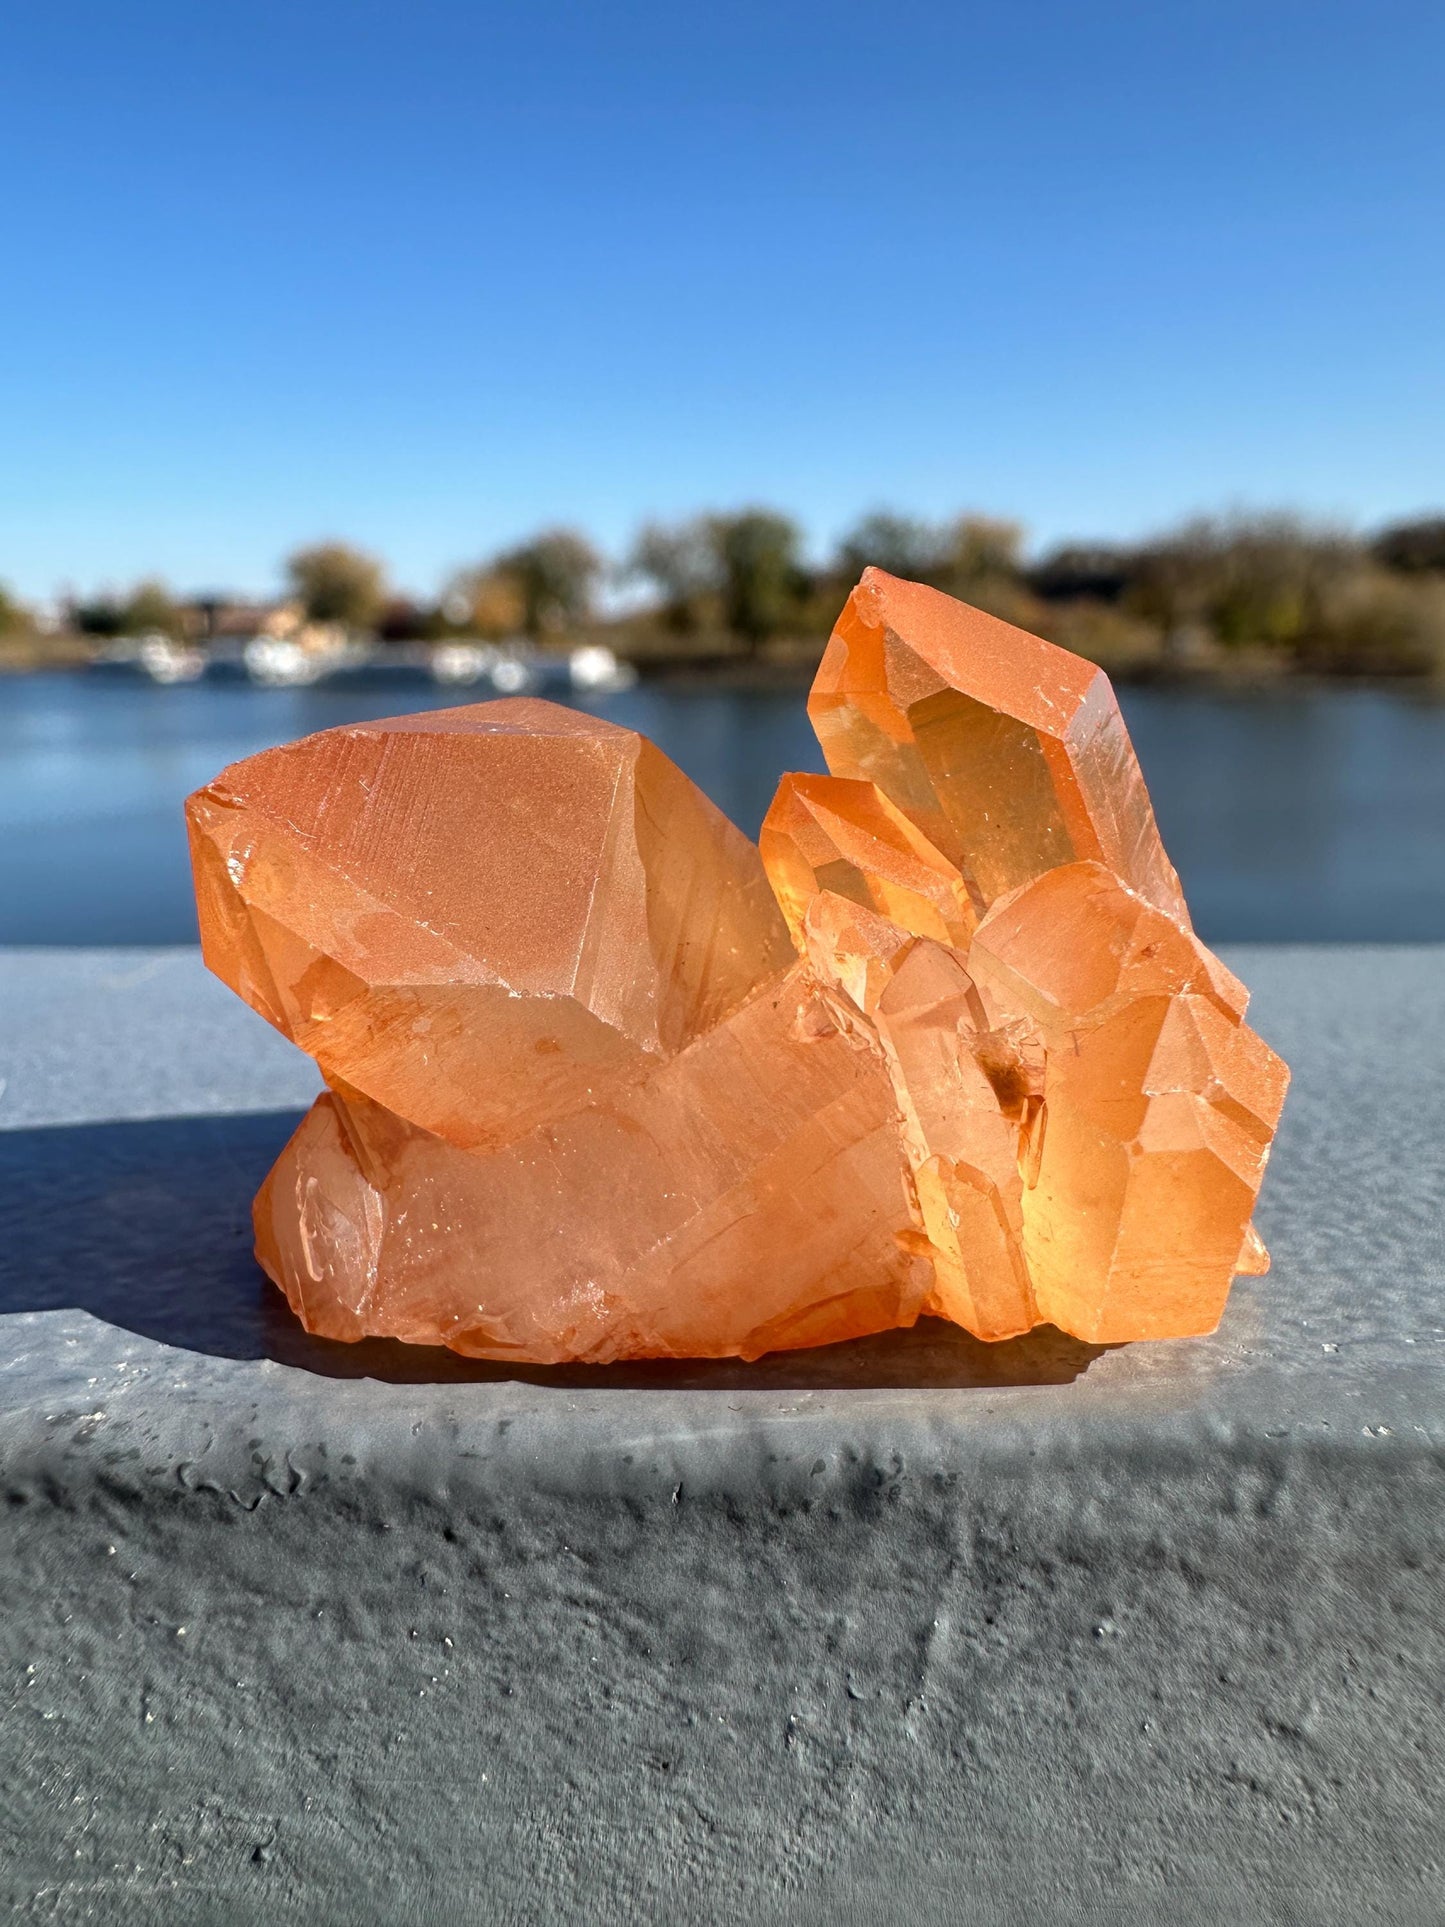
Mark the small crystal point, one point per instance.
(586, 1099)
(832, 833)
(1008, 753)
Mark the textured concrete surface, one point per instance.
(120, 1034)
(910, 1630)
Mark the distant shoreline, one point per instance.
(1242, 679)
(731, 600)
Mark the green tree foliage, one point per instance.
(14, 616)
(334, 582)
(556, 575)
(901, 544)
(1375, 623)
(956, 556)
(740, 572)
(151, 609)
(758, 558)
(982, 548)
(1260, 581)
(973, 556)
(682, 563)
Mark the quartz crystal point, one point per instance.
(479, 916)
(1008, 754)
(830, 833)
(584, 1102)
(1085, 1114)
(587, 1101)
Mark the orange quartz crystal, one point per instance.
(1009, 754)
(587, 1101)
(584, 1101)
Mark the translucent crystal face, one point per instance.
(741, 1196)
(586, 1100)
(475, 916)
(1009, 754)
(835, 834)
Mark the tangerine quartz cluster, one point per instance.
(595, 1090)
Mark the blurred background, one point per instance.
(362, 357)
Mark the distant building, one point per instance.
(219, 618)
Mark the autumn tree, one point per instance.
(15, 618)
(334, 582)
(485, 602)
(555, 576)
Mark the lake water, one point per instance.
(1312, 816)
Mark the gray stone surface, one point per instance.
(914, 1629)
(91, 1035)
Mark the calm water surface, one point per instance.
(1309, 816)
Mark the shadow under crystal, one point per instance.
(147, 1226)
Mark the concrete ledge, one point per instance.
(914, 1629)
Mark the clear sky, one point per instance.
(431, 273)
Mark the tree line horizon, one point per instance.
(1267, 588)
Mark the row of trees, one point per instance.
(1271, 586)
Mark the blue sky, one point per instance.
(429, 275)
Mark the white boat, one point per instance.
(594, 670)
(165, 660)
(277, 663)
(512, 669)
(513, 674)
(462, 663)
